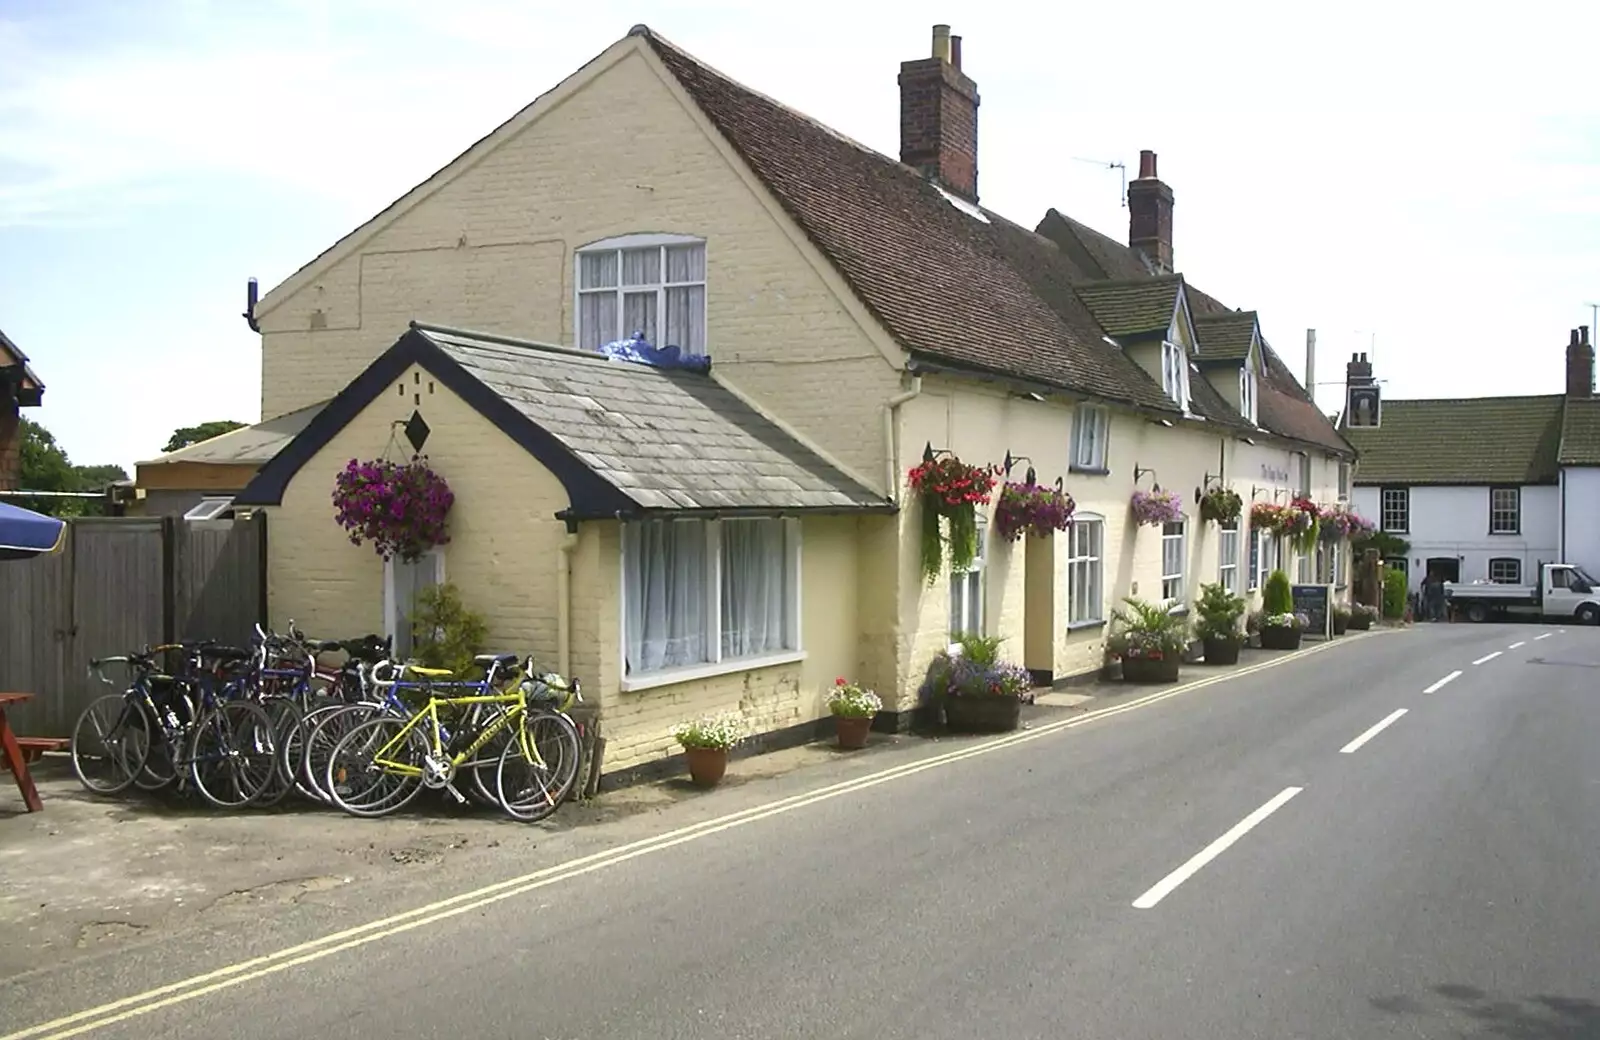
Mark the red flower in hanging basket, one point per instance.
(399, 507)
(950, 482)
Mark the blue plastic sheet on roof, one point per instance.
(638, 349)
(24, 533)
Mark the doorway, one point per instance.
(1448, 568)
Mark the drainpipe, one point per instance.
(891, 458)
(569, 541)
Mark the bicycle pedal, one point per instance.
(460, 798)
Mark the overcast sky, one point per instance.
(1416, 178)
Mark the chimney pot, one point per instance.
(1147, 163)
(941, 42)
(1584, 337)
(1580, 363)
(955, 51)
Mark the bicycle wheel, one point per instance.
(531, 791)
(324, 730)
(285, 715)
(292, 751)
(233, 753)
(362, 787)
(110, 744)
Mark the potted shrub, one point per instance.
(853, 708)
(1157, 507)
(976, 691)
(706, 742)
(1149, 639)
(1341, 619)
(399, 507)
(949, 488)
(1221, 505)
(1031, 509)
(1361, 617)
(1218, 627)
(1280, 627)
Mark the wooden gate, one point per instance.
(120, 584)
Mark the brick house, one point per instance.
(1483, 488)
(19, 388)
(856, 310)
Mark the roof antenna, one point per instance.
(1111, 166)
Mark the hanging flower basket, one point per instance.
(1340, 522)
(1156, 507)
(1032, 509)
(1276, 519)
(1304, 521)
(1221, 505)
(400, 507)
(951, 489)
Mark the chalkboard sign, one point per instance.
(1316, 603)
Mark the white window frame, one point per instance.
(209, 508)
(1266, 555)
(1516, 570)
(1091, 434)
(1394, 501)
(971, 587)
(1174, 585)
(1303, 467)
(620, 244)
(1090, 564)
(1344, 480)
(1305, 567)
(715, 664)
(391, 608)
(1499, 513)
(1175, 372)
(1228, 555)
(1247, 394)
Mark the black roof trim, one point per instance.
(588, 493)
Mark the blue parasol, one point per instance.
(24, 533)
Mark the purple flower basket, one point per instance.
(399, 507)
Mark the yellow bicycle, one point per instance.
(517, 725)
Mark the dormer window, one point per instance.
(1247, 394)
(1175, 373)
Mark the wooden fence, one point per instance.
(119, 584)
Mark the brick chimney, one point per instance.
(1580, 363)
(939, 117)
(1358, 372)
(1150, 215)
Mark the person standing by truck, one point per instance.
(1433, 596)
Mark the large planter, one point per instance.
(1280, 637)
(706, 765)
(1340, 623)
(853, 730)
(1151, 669)
(983, 714)
(1221, 649)
(1359, 622)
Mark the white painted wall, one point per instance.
(1582, 517)
(1454, 521)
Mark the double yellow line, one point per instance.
(259, 967)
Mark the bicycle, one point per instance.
(381, 764)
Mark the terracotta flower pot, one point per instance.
(706, 765)
(853, 730)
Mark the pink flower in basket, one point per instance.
(1157, 507)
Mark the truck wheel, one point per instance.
(1589, 614)
(1477, 613)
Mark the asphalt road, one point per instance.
(1232, 862)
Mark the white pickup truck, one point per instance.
(1564, 590)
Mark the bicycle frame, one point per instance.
(430, 713)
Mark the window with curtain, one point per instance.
(1228, 556)
(403, 583)
(652, 284)
(1091, 427)
(1084, 570)
(700, 592)
(966, 591)
(1172, 553)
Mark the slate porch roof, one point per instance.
(1225, 337)
(1135, 307)
(625, 439)
(1580, 432)
(32, 392)
(985, 295)
(256, 443)
(1472, 440)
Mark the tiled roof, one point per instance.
(1472, 440)
(1580, 432)
(1225, 337)
(668, 440)
(1137, 307)
(256, 443)
(978, 292)
(11, 354)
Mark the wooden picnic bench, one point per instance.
(15, 758)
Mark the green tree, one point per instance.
(46, 467)
(184, 436)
